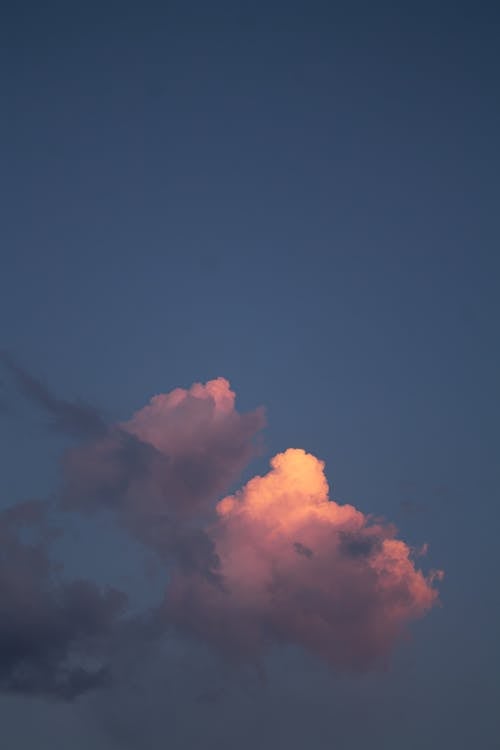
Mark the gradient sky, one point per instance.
(304, 200)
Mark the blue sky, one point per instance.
(307, 204)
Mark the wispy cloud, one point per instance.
(74, 418)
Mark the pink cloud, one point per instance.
(166, 465)
(276, 562)
(181, 451)
(299, 568)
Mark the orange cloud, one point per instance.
(186, 419)
(276, 562)
(300, 568)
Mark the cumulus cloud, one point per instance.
(49, 630)
(180, 451)
(276, 562)
(299, 568)
(166, 467)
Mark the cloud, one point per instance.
(163, 470)
(74, 418)
(278, 562)
(299, 568)
(49, 630)
(301, 549)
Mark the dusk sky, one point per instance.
(249, 367)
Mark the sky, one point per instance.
(248, 375)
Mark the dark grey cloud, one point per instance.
(51, 631)
(301, 549)
(101, 473)
(359, 544)
(149, 492)
(75, 418)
